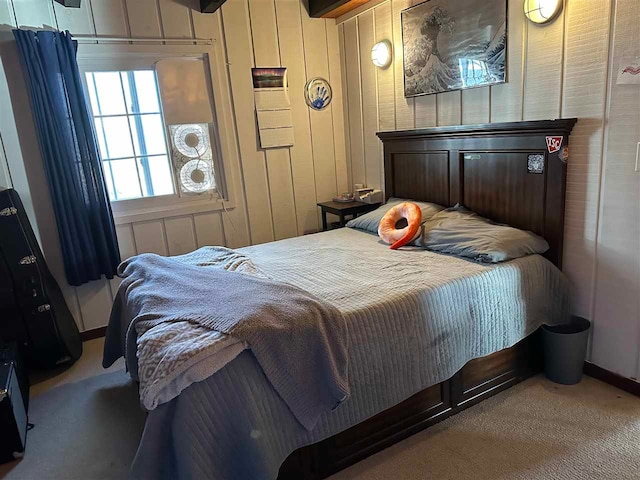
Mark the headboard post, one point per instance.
(512, 172)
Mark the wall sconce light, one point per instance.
(381, 54)
(542, 11)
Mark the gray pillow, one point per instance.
(458, 231)
(369, 221)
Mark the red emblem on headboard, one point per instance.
(554, 144)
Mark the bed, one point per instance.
(429, 334)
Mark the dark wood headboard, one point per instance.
(493, 169)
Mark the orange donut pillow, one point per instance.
(398, 237)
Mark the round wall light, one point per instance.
(381, 54)
(542, 11)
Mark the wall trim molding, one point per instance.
(607, 376)
(93, 334)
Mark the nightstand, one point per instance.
(344, 209)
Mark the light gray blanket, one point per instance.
(299, 341)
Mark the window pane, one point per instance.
(118, 137)
(141, 91)
(152, 141)
(154, 134)
(145, 180)
(91, 87)
(161, 175)
(101, 137)
(126, 88)
(126, 178)
(109, 93)
(106, 168)
(147, 90)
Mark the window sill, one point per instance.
(170, 210)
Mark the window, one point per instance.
(131, 133)
(141, 98)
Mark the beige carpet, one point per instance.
(88, 425)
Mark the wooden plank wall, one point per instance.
(276, 191)
(555, 70)
(617, 277)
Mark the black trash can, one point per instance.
(565, 349)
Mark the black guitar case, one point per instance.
(33, 311)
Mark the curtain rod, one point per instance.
(191, 41)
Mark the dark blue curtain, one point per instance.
(70, 154)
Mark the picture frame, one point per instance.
(266, 78)
(453, 45)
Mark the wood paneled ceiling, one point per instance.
(332, 8)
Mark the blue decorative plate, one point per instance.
(317, 93)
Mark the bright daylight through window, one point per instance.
(131, 133)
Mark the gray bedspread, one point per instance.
(299, 340)
(414, 318)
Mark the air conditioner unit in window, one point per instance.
(192, 158)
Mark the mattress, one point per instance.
(414, 319)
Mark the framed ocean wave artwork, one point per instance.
(453, 45)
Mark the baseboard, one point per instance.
(623, 383)
(95, 333)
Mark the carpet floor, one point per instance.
(88, 424)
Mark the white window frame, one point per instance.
(126, 57)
